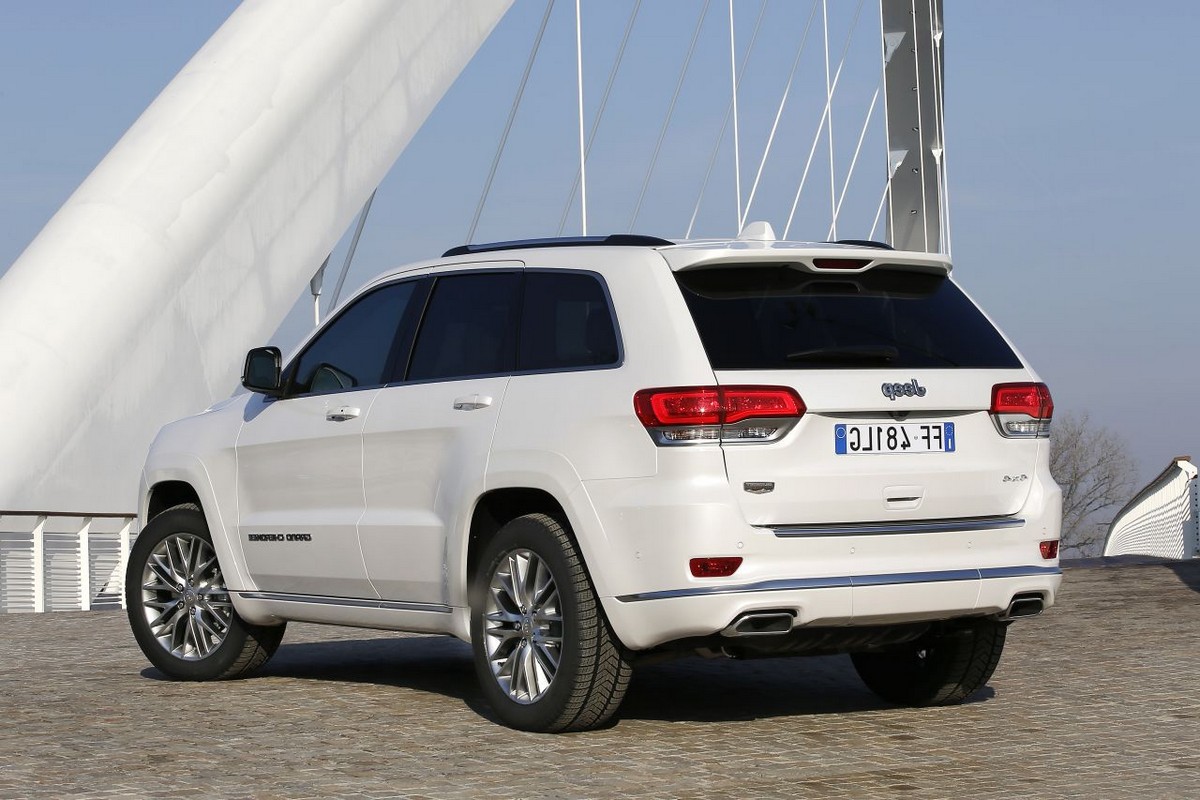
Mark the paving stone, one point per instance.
(1097, 698)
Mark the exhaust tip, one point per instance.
(760, 623)
(1025, 605)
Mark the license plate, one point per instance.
(896, 437)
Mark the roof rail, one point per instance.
(613, 240)
(865, 243)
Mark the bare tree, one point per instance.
(1093, 466)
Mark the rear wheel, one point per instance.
(545, 656)
(939, 669)
(179, 607)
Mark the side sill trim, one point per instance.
(848, 581)
(352, 602)
(917, 526)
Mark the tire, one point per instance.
(546, 658)
(939, 669)
(179, 608)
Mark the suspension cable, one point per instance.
(712, 158)
(612, 76)
(512, 114)
(662, 133)
(358, 229)
(829, 113)
(737, 162)
(778, 114)
(849, 174)
(887, 190)
(817, 138)
(579, 95)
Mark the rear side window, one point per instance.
(779, 317)
(469, 327)
(566, 323)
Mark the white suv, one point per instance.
(574, 453)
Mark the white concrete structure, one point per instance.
(193, 237)
(1161, 520)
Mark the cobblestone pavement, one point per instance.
(1097, 698)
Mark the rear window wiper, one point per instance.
(882, 353)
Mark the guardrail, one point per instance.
(63, 560)
(1162, 519)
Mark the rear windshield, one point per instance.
(779, 317)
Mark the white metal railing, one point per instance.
(58, 561)
(1163, 519)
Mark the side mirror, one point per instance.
(262, 371)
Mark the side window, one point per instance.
(567, 323)
(353, 350)
(469, 327)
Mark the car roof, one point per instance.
(689, 254)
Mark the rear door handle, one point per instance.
(342, 413)
(472, 402)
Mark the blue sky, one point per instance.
(1071, 138)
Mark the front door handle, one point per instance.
(342, 413)
(472, 402)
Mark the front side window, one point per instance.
(469, 328)
(353, 351)
(566, 323)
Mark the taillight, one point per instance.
(1022, 410)
(1049, 548)
(692, 414)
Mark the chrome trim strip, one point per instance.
(353, 602)
(846, 582)
(915, 526)
(1017, 572)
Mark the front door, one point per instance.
(299, 457)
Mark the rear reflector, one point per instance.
(1022, 410)
(696, 414)
(1049, 549)
(714, 567)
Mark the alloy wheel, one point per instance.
(523, 626)
(184, 598)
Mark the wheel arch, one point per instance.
(572, 507)
(497, 507)
(168, 494)
(186, 479)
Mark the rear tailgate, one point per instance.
(857, 456)
(896, 368)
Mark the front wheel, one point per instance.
(545, 656)
(179, 607)
(939, 669)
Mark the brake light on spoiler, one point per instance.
(1022, 410)
(726, 414)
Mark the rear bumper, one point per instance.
(650, 619)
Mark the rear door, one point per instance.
(425, 445)
(896, 367)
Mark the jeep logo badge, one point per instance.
(911, 389)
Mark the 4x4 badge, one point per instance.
(911, 389)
